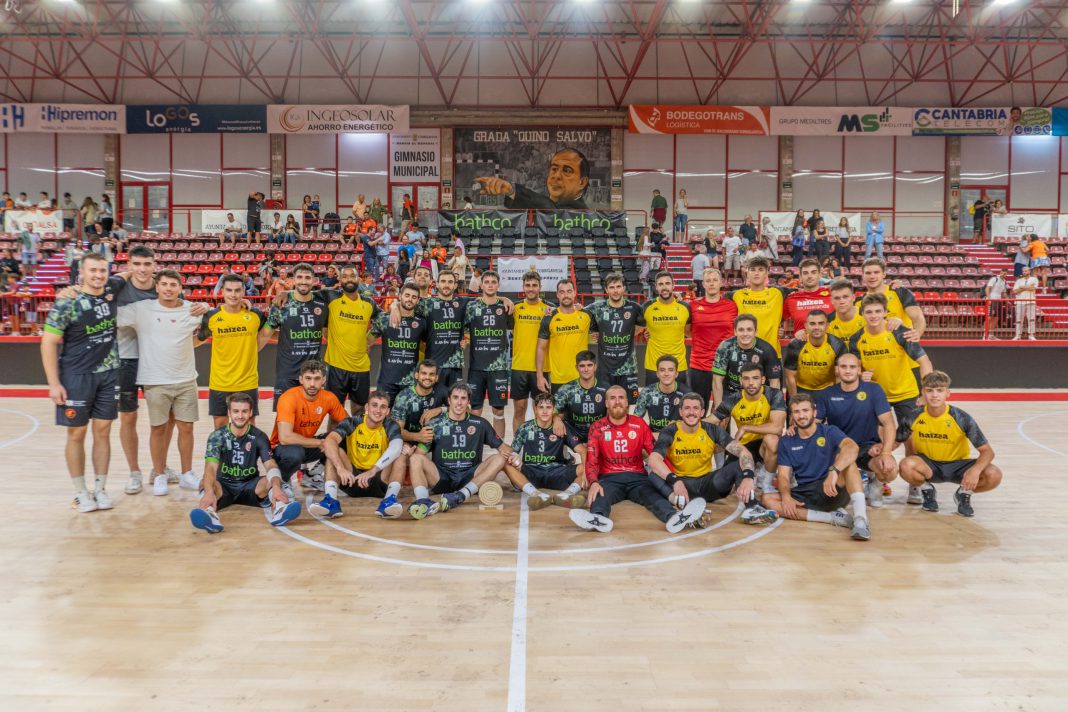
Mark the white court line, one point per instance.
(1028, 438)
(31, 431)
(517, 669)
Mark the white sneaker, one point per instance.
(172, 476)
(288, 489)
(587, 520)
(84, 502)
(915, 496)
(133, 484)
(103, 501)
(189, 481)
(873, 492)
(690, 513)
(159, 485)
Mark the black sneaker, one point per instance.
(930, 499)
(964, 503)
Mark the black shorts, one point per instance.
(753, 446)
(813, 496)
(575, 436)
(89, 395)
(254, 225)
(491, 383)
(629, 382)
(452, 480)
(864, 458)
(390, 390)
(448, 377)
(710, 487)
(217, 401)
(243, 492)
(375, 486)
(952, 471)
(525, 384)
(905, 411)
(349, 385)
(128, 387)
(553, 477)
(701, 384)
(281, 385)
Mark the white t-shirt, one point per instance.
(680, 206)
(1028, 296)
(731, 245)
(165, 341)
(997, 287)
(700, 263)
(233, 226)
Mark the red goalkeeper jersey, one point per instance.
(617, 448)
(799, 304)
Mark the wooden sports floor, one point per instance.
(133, 609)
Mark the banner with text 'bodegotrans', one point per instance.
(673, 119)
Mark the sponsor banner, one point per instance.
(681, 119)
(1060, 121)
(1016, 225)
(841, 121)
(586, 219)
(216, 220)
(334, 119)
(782, 223)
(478, 219)
(552, 270)
(415, 157)
(62, 118)
(539, 169)
(196, 118)
(42, 220)
(995, 121)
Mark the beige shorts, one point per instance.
(177, 398)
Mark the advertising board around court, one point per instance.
(989, 121)
(43, 221)
(1016, 225)
(63, 118)
(336, 118)
(475, 220)
(841, 121)
(782, 222)
(196, 118)
(216, 220)
(552, 269)
(683, 119)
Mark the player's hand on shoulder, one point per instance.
(867, 376)
(198, 308)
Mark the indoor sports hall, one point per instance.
(510, 354)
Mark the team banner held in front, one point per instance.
(1016, 225)
(42, 221)
(552, 270)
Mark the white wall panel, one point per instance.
(921, 153)
(146, 157)
(81, 183)
(818, 190)
(638, 194)
(362, 168)
(818, 153)
(300, 182)
(869, 172)
(1064, 194)
(1034, 180)
(311, 151)
(750, 192)
(984, 159)
(32, 161)
(237, 184)
(195, 175)
(700, 169)
(749, 152)
(918, 225)
(919, 192)
(648, 151)
(76, 151)
(246, 151)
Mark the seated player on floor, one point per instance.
(539, 460)
(759, 414)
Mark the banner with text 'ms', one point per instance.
(552, 270)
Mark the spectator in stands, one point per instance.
(390, 278)
(44, 202)
(732, 254)
(797, 244)
(404, 263)
(276, 228)
(769, 238)
(382, 248)
(748, 230)
(799, 221)
(407, 213)
(979, 212)
(468, 205)
(812, 223)
(438, 257)
(821, 241)
(649, 259)
(291, 233)
(1040, 262)
(22, 202)
(1022, 258)
(751, 252)
(348, 232)
(9, 283)
(998, 208)
(106, 214)
(474, 285)
(6, 203)
(330, 279)
(88, 212)
(103, 244)
(842, 252)
(378, 212)
(282, 283)
(1024, 290)
(695, 239)
(367, 284)
(458, 265)
(370, 254)
(682, 217)
(252, 216)
(360, 206)
(415, 236)
(8, 263)
(658, 208)
(72, 257)
(698, 265)
(874, 236)
(31, 244)
(712, 247)
(232, 229)
(311, 215)
(994, 291)
(367, 224)
(830, 270)
(70, 212)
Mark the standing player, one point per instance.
(900, 302)
(400, 343)
(232, 475)
(759, 415)
(660, 401)
(528, 314)
(818, 474)
(350, 318)
(452, 465)
(615, 471)
(809, 297)
(488, 321)
(83, 380)
(563, 334)
(711, 323)
(300, 323)
(445, 328)
(666, 319)
(808, 363)
(940, 435)
(372, 445)
(301, 411)
(743, 349)
(682, 463)
(763, 302)
(616, 320)
(235, 345)
(582, 402)
(414, 407)
(422, 277)
(539, 461)
(846, 319)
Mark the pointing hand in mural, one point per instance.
(496, 186)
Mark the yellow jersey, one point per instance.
(525, 334)
(945, 438)
(813, 365)
(896, 302)
(766, 305)
(568, 334)
(364, 444)
(844, 330)
(690, 454)
(234, 348)
(889, 357)
(751, 412)
(667, 332)
(350, 320)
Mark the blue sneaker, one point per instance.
(389, 508)
(327, 507)
(285, 513)
(452, 500)
(206, 519)
(422, 508)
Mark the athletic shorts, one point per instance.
(905, 411)
(753, 446)
(575, 436)
(128, 386)
(390, 390)
(242, 492)
(629, 382)
(863, 458)
(1040, 262)
(375, 486)
(282, 385)
(952, 471)
(525, 384)
(217, 401)
(813, 496)
(551, 477)
(254, 224)
(452, 480)
(710, 487)
(29, 258)
(89, 396)
(177, 398)
(348, 385)
(493, 384)
(448, 377)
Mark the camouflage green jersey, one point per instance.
(400, 347)
(446, 317)
(88, 326)
(489, 325)
(299, 326)
(615, 335)
(409, 406)
(662, 408)
(580, 407)
(458, 444)
(238, 456)
(541, 446)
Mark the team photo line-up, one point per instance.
(805, 432)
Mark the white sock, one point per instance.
(421, 492)
(99, 483)
(331, 489)
(859, 505)
(393, 489)
(79, 484)
(573, 489)
(822, 517)
(470, 490)
(530, 490)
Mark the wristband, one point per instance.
(273, 474)
(748, 475)
(671, 479)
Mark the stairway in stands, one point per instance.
(53, 270)
(679, 257)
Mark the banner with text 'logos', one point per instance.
(196, 118)
(335, 119)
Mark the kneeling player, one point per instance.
(615, 469)
(231, 475)
(940, 435)
(543, 463)
(813, 463)
(759, 413)
(372, 443)
(682, 463)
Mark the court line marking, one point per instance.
(1020, 431)
(33, 428)
(509, 552)
(517, 669)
